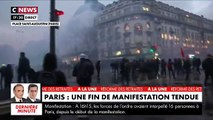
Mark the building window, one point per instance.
(118, 13)
(145, 9)
(136, 17)
(138, 28)
(165, 36)
(136, 8)
(117, 33)
(171, 31)
(103, 18)
(148, 26)
(162, 35)
(126, 27)
(126, 10)
(165, 29)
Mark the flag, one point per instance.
(182, 53)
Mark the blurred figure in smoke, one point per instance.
(208, 68)
(98, 68)
(125, 71)
(156, 67)
(50, 76)
(198, 63)
(23, 67)
(83, 71)
(8, 75)
(115, 66)
(187, 68)
(31, 75)
(175, 65)
(134, 66)
(179, 66)
(163, 68)
(2, 72)
(171, 69)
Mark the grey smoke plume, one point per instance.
(8, 55)
(80, 33)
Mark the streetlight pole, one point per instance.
(52, 29)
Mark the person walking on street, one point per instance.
(163, 68)
(187, 68)
(208, 68)
(171, 68)
(83, 71)
(23, 67)
(125, 71)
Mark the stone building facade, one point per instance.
(130, 28)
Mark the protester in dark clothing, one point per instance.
(2, 72)
(112, 65)
(23, 67)
(115, 66)
(187, 68)
(150, 69)
(194, 63)
(198, 63)
(156, 67)
(170, 68)
(125, 71)
(134, 66)
(175, 65)
(98, 68)
(83, 71)
(208, 68)
(8, 75)
(163, 68)
(50, 76)
(143, 72)
(31, 75)
(179, 66)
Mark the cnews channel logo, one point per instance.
(25, 9)
(22, 10)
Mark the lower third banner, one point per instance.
(122, 100)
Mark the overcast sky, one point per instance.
(19, 36)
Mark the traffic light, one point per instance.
(57, 14)
(153, 48)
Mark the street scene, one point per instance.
(110, 43)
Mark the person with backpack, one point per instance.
(50, 76)
(23, 67)
(83, 71)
